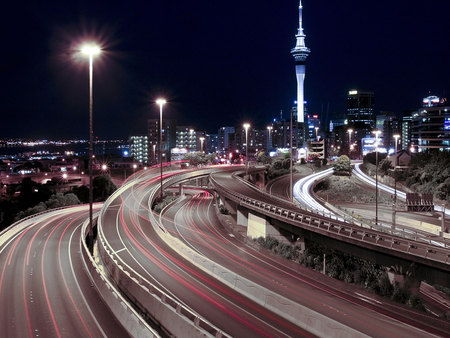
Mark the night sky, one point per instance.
(217, 62)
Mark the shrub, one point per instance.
(400, 294)
(416, 303)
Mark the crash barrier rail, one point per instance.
(335, 228)
(403, 232)
(178, 319)
(135, 325)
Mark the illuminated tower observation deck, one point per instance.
(300, 53)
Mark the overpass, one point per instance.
(267, 215)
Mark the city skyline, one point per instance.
(215, 67)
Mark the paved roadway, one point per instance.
(44, 288)
(127, 230)
(194, 220)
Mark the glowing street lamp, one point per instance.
(246, 127)
(396, 137)
(377, 133)
(269, 146)
(161, 102)
(201, 143)
(104, 167)
(90, 50)
(317, 133)
(350, 131)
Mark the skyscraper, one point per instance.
(300, 53)
(361, 109)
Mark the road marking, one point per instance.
(120, 250)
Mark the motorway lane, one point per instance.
(44, 289)
(194, 220)
(128, 231)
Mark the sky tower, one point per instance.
(300, 53)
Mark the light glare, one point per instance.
(90, 49)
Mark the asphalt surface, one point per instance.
(360, 312)
(44, 288)
(127, 230)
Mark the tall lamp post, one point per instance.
(269, 144)
(317, 133)
(246, 126)
(377, 133)
(396, 137)
(201, 144)
(161, 102)
(90, 50)
(349, 131)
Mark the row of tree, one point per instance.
(29, 197)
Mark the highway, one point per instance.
(195, 221)
(127, 230)
(44, 288)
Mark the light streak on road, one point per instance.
(302, 191)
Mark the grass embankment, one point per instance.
(350, 269)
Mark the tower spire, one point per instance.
(300, 53)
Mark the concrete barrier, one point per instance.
(298, 314)
(153, 303)
(122, 310)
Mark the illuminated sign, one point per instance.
(353, 92)
(447, 123)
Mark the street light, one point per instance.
(90, 50)
(317, 132)
(201, 143)
(269, 145)
(349, 131)
(396, 137)
(246, 126)
(161, 102)
(377, 133)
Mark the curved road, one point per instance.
(127, 230)
(44, 288)
(361, 312)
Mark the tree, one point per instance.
(199, 157)
(342, 166)
(103, 187)
(263, 158)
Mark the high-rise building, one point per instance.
(300, 53)
(390, 125)
(361, 109)
(430, 126)
(212, 143)
(406, 132)
(169, 133)
(186, 138)
(139, 149)
(225, 139)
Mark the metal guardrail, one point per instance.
(326, 225)
(125, 275)
(399, 230)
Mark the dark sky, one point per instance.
(217, 62)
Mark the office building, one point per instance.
(430, 126)
(139, 149)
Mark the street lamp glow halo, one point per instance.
(161, 101)
(90, 49)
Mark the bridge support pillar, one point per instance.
(259, 226)
(242, 216)
(181, 192)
